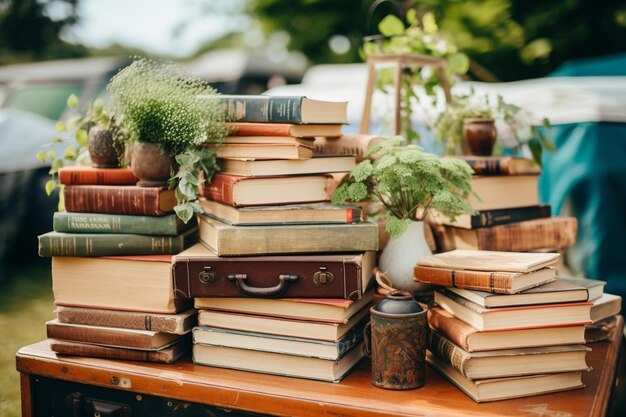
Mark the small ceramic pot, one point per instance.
(150, 165)
(480, 136)
(399, 330)
(102, 149)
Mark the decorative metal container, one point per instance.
(398, 328)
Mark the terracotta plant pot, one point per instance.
(150, 165)
(480, 136)
(102, 149)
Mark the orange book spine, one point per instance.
(221, 189)
(113, 199)
(98, 335)
(454, 329)
(496, 282)
(78, 175)
(259, 129)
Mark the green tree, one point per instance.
(28, 31)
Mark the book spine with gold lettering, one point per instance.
(168, 225)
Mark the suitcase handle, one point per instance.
(275, 291)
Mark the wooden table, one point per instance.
(267, 394)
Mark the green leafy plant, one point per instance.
(448, 126)
(158, 103)
(75, 129)
(421, 37)
(408, 182)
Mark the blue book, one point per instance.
(214, 336)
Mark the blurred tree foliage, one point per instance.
(30, 30)
(506, 39)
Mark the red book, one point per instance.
(88, 175)
(240, 191)
(284, 129)
(144, 201)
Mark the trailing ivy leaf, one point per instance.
(51, 155)
(391, 25)
(59, 126)
(82, 137)
(70, 153)
(56, 140)
(196, 207)
(180, 197)
(72, 101)
(190, 178)
(50, 185)
(429, 23)
(184, 211)
(188, 189)
(41, 156)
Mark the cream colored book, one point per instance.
(264, 151)
(504, 191)
(269, 167)
(482, 260)
(606, 306)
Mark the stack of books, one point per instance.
(505, 326)
(269, 231)
(111, 268)
(508, 214)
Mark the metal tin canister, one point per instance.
(398, 329)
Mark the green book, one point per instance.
(89, 244)
(169, 225)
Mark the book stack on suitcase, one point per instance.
(506, 326)
(509, 216)
(111, 268)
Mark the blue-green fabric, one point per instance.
(586, 178)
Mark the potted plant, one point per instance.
(408, 183)
(468, 125)
(93, 134)
(170, 122)
(421, 38)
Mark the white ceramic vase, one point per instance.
(400, 256)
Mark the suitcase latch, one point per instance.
(323, 276)
(207, 276)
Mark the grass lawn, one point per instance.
(26, 303)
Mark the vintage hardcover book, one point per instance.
(504, 388)
(284, 129)
(594, 287)
(509, 362)
(504, 191)
(277, 167)
(199, 272)
(488, 218)
(606, 306)
(264, 151)
(334, 310)
(180, 323)
(166, 355)
(605, 329)
(558, 291)
(280, 326)
(111, 336)
(143, 201)
(278, 363)
(128, 283)
(500, 272)
(314, 213)
(519, 317)
(356, 145)
(472, 340)
(113, 244)
(239, 191)
(269, 140)
(88, 175)
(279, 344)
(501, 165)
(547, 233)
(282, 109)
(227, 240)
(169, 225)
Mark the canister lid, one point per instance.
(398, 302)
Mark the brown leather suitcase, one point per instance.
(198, 272)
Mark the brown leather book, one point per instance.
(180, 323)
(199, 272)
(88, 175)
(501, 165)
(547, 233)
(147, 201)
(472, 340)
(166, 355)
(490, 271)
(240, 191)
(355, 145)
(111, 336)
(284, 129)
